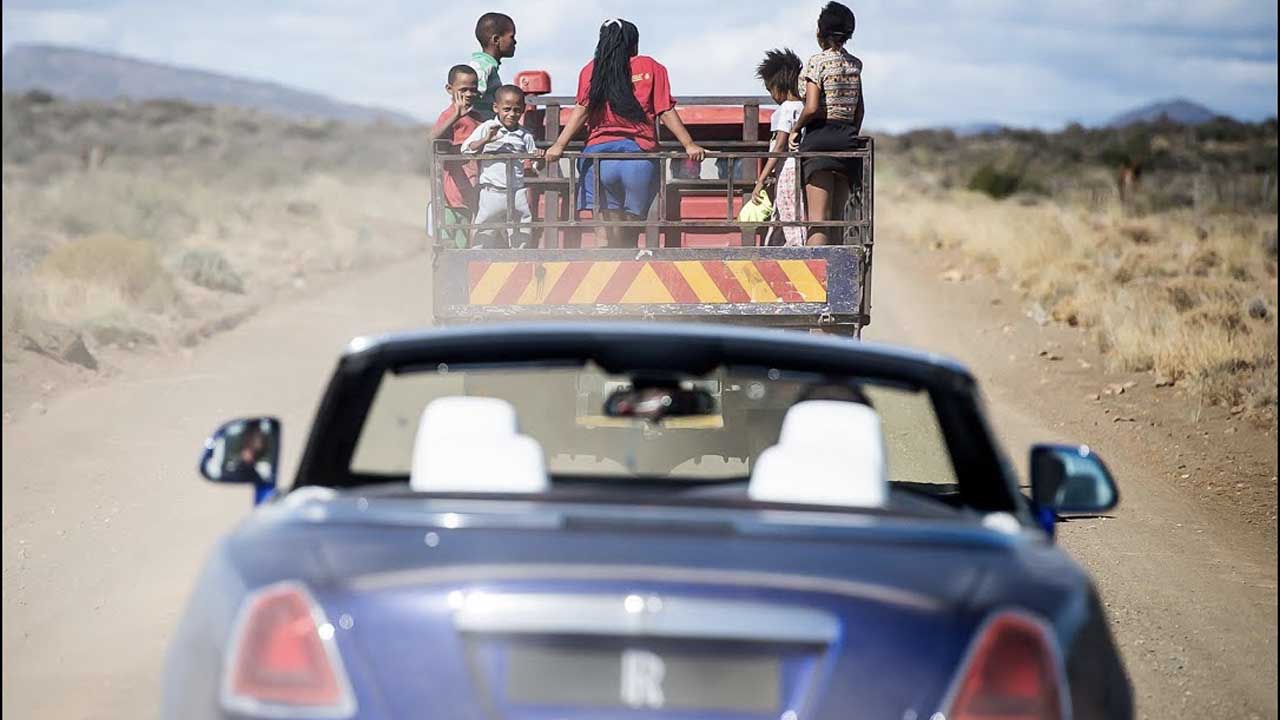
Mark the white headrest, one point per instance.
(829, 452)
(470, 444)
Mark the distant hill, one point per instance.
(1180, 111)
(78, 74)
(975, 129)
(964, 130)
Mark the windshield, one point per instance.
(567, 410)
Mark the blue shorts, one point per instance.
(628, 185)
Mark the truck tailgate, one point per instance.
(775, 285)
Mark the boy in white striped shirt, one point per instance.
(503, 134)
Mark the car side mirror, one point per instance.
(1071, 480)
(244, 451)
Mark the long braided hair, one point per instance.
(611, 84)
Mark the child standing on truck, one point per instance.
(780, 71)
(496, 34)
(831, 120)
(504, 134)
(620, 92)
(455, 124)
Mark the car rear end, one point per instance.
(388, 608)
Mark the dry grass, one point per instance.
(199, 212)
(131, 268)
(97, 281)
(1189, 296)
(193, 214)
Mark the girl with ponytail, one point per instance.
(620, 94)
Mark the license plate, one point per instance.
(642, 679)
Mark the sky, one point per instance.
(1023, 63)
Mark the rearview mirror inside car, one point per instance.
(244, 451)
(657, 399)
(1071, 480)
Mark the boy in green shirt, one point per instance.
(496, 34)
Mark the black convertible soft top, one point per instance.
(624, 347)
(985, 480)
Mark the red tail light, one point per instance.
(282, 659)
(1012, 672)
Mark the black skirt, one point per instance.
(831, 136)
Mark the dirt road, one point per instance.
(1189, 582)
(105, 522)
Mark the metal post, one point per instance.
(869, 182)
(551, 117)
(750, 131)
(551, 198)
(800, 199)
(573, 195)
(868, 201)
(651, 230)
(572, 237)
(437, 197)
(509, 165)
(728, 193)
(664, 166)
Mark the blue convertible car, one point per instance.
(646, 521)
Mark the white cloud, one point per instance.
(313, 28)
(68, 27)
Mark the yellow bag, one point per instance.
(756, 211)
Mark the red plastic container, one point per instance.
(533, 82)
(708, 205)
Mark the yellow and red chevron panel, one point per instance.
(646, 282)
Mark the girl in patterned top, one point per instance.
(831, 120)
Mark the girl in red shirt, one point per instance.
(620, 93)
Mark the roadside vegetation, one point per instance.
(1158, 239)
(145, 224)
(142, 223)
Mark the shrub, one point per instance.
(209, 269)
(130, 266)
(38, 97)
(996, 183)
(167, 111)
(1139, 234)
(151, 209)
(1223, 129)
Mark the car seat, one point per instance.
(828, 453)
(471, 444)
